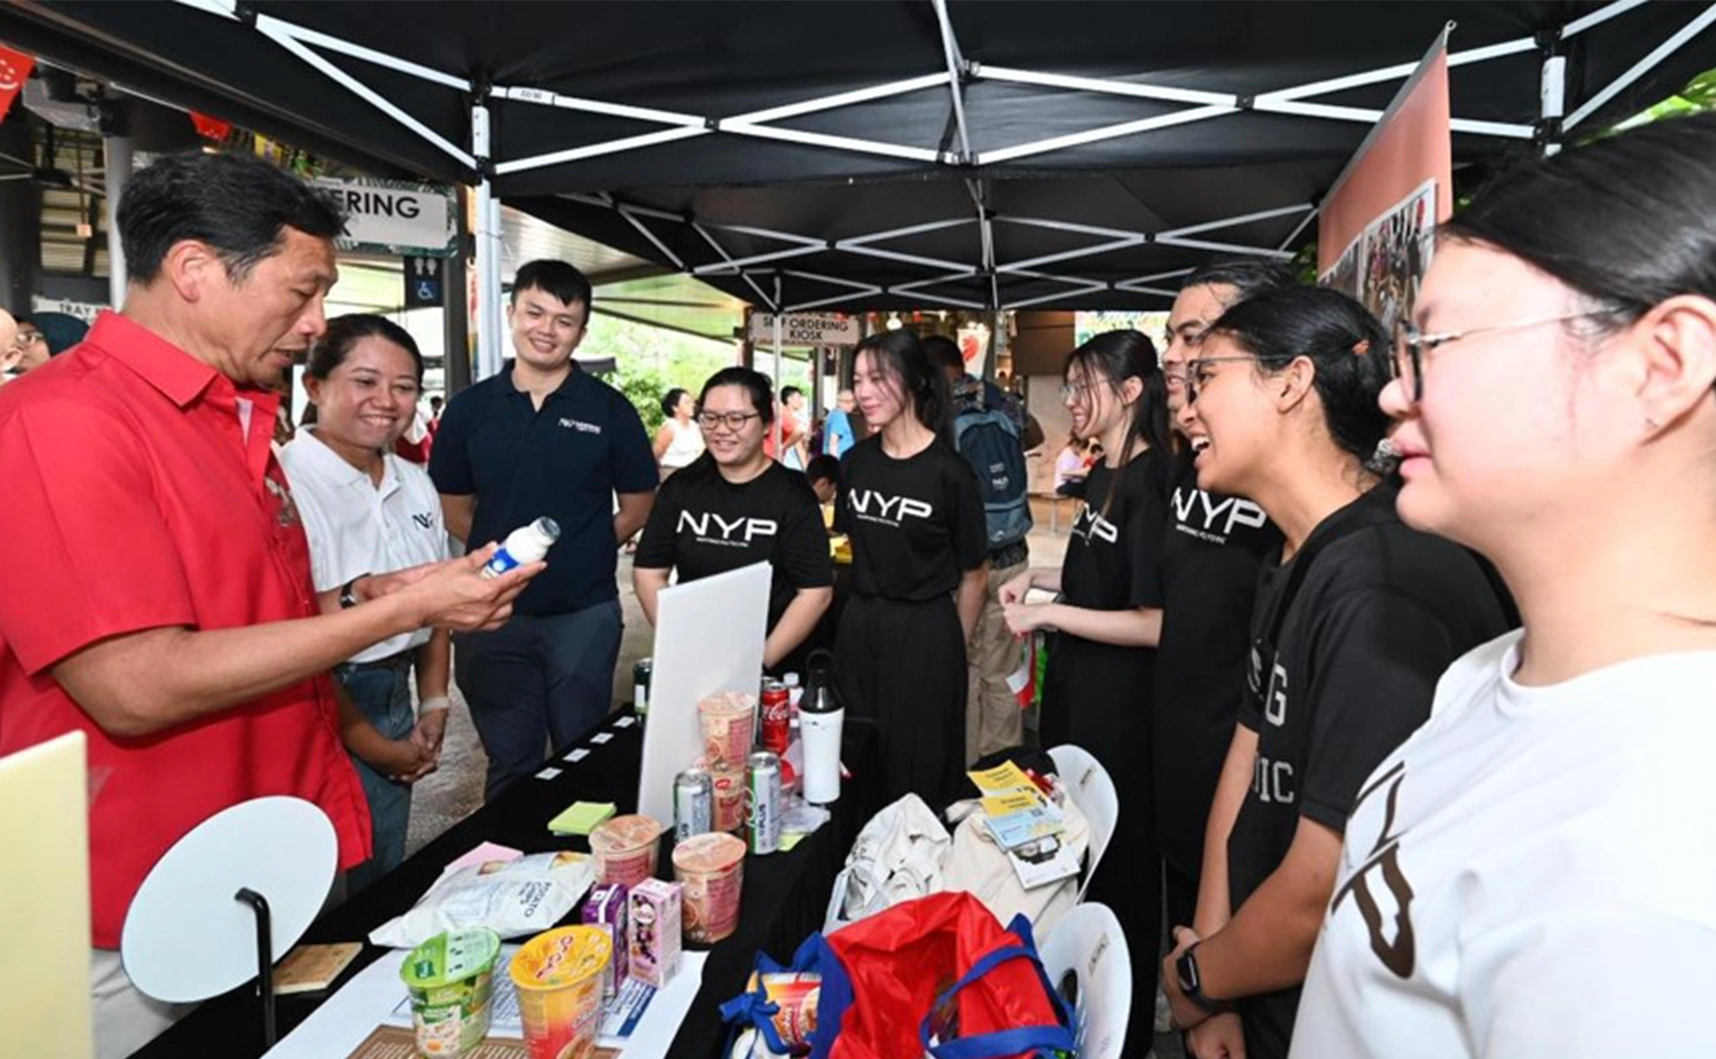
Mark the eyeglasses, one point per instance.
(24, 339)
(1198, 374)
(734, 421)
(1410, 344)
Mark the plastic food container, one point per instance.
(625, 849)
(559, 978)
(711, 868)
(450, 979)
(728, 720)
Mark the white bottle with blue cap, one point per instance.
(526, 544)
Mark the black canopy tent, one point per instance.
(883, 153)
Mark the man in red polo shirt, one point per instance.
(158, 593)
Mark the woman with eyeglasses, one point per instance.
(733, 506)
(1532, 872)
(1355, 619)
(1099, 684)
(910, 504)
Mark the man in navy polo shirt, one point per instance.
(544, 438)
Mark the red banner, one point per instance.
(1377, 227)
(211, 128)
(15, 69)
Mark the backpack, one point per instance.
(988, 438)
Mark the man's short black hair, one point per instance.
(944, 353)
(238, 204)
(1248, 276)
(823, 468)
(553, 277)
(789, 392)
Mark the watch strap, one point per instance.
(348, 592)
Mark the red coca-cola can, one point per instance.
(776, 709)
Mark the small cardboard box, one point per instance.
(653, 925)
(606, 907)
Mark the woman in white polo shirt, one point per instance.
(366, 511)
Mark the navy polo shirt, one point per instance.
(564, 460)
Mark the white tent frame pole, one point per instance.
(357, 51)
(779, 319)
(1366, 116)
(950, 49)
(1069, 255)
(897, 233)
(1580, 25)
(597, 150)
(1088, 286)
(1310, 216)
(643, 229)
(1662, 51)
(1126, 284)
(842, 143)
(1106, 132)
(1552, 100)
(1071, 226)
(773, 306)
(939, 299)
(818, 303)
(1225, 248)
(838, 100)
(1040, 79)
(914, 285)
(281, 33)
(543, 97)
(1230, 222)
(719, 268)
(910, 259)
(222, 8)
(488, 360)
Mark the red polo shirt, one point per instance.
(133, 499)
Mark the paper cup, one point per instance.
(625, 849)
(559, 978)
(711, 868)
(729, 720)
(450, 979)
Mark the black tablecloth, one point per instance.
(784, 899)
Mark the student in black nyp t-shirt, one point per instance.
(733, 506)
(1354, 624)
(911, 506)
(1211, 551)
(1098, 686)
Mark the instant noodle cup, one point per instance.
(450, 979)
(729, 720)
(711, 868)
(559, 978)
(795, 996)
(625, 849)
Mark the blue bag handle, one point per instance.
(1024, 1039)
(754, 1008)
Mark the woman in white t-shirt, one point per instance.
(680, 440)
(367, 511)
(1532, 873)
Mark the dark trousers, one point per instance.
(542, 681)
(381, 693)
(902, 665)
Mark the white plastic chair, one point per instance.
(1092, 790)
(1088, 944)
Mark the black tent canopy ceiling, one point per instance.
(884, 153)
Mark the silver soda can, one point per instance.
(763, 802)
(642, 673)
(693, 804)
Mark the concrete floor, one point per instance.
(456, 789)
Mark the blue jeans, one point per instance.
(382, 694)
(541, 682)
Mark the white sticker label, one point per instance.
(601, 737)
(577, 755)
(625, 722)
(548, 773)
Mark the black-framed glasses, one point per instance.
(1410, 344)
(1198, 373)
(734, 421)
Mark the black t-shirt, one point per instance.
(916, 524)
(1211, 552)
(1113, 555)
(702, 524)
(1379, 615)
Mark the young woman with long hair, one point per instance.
(910, 504)
(733, 506)
(1355, 619)
(1531, 874)
(1099, 684)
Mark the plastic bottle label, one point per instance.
(499, 563)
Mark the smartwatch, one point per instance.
(1192, 985)
(348, 592)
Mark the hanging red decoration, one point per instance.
(15, 69)
(211, 128)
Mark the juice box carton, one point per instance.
(653, 926)
(606, 907)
